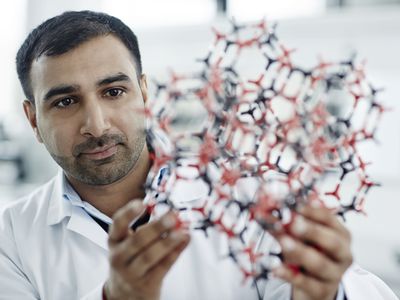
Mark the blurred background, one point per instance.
(173, 33)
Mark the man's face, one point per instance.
(87, 110)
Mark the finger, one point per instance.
(323, 216)
(153, 255)
(332, 243)
(311, 286)
(119, 229)
(311, 261)
(124, 252)
(158, 272)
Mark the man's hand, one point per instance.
(316, 252)
(140, 259)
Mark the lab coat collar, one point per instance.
(59, 208)
(79, 222)
(84, 225)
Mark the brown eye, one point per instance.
(114, 92)
(64, 102)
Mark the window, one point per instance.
(343, 3)
(162, 13)
(251, 10)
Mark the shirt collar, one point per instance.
(59, 207)
(69, 194)
(64, 198)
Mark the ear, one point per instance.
(30, 113)
(143, 86)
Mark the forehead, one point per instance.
(83, 65)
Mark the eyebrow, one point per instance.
(113, 78)
(59, 90)
(67, 89)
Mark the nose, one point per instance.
(95, 120)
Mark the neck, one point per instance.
(109, 198)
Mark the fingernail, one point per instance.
(259, 216)
(168, 221)
(176, 235)
(137, 206)
(277, 227)
(288, 244)
(301, 209)
(315, 204)
(299, 225)
(279, 272)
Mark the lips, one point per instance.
(100, 152)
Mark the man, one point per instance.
(82, 76)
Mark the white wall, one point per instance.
(15, 18)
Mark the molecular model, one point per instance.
(260, 146)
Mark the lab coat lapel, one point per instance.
(81, 223)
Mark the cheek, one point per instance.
(131, 119)
(58, 138)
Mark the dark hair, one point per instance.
(64, 32)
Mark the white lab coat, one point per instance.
(50, 250)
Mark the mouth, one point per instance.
(100, 152)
